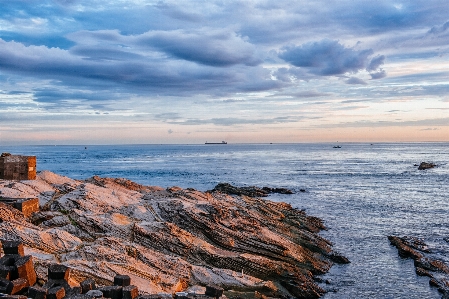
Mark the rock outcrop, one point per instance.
(426, 165)
(251, 191)
(425, 265)
(167, 240)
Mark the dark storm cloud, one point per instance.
(326, 57)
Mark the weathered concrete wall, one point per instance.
(14, 167)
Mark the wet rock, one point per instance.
(405, 248)
(438, 271)
(422, 272)
(339, 259)
(278, 190)
(426, 165)
(431, 265)
(250, 191)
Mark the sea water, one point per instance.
(363, 192)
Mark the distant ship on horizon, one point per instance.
(223, 142)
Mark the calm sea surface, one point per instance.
(363, 193)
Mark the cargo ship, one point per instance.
(223, 142)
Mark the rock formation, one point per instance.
(167, 240)
(251, 191)
(426, 165)
(425, 265)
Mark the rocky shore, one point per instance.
(168, 240)
(425, 264)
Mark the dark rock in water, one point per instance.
(422, 272)
(426, 165)
(405, 248)
(411, 247)
(277, 190)
(339, 259)
(251, 191)
(432, 265)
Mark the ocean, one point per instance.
(363, 192)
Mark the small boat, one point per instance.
(223, 142)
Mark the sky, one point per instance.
(187, 72)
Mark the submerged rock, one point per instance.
(168, 240)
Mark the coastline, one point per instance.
(168, 240)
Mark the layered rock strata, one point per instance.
(167, 240)
(425, 265)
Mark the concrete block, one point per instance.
(58, 271)
(56, 293)
(74, 291)
(130, 292)
(19, 285)
(87, 285)
(6, 286)
(25, 269)
(13, 247)
(27, 206)
(37, 293)
(122, 280)
(214, 291)
(51, 283)
(113, 292)
(7, 272)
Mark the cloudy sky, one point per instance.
(141, 71)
